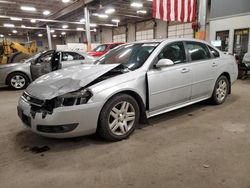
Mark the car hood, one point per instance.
(2, 66)
(96, 54)
(66, 80)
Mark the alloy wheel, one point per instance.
(121, 118)
(18, 81)
(221, 90)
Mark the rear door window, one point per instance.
(71, 56)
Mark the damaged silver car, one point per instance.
(129, 84)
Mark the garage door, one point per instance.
(119, 34)
(181, 31)
(144, 30)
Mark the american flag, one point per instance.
(175, 10)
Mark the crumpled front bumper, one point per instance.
(84, 116)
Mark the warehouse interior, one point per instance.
(50, 44)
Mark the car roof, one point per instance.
(113, 43)
(170, 40)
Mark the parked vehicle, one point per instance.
(244, 67)
(129, 84)
(103, 49)
(19, 75)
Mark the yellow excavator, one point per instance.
(13, 52)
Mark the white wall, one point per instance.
(131, 33)
(232, 23)
(161, 29)
(73, 38)
(106, 35)
(160, 32)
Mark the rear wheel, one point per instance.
(17, 81)
(118, 118)
(221, 90)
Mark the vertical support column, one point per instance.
(87, 28)
(28, 37)
(49, 37)
(202, 17)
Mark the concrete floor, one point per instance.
(197, 146)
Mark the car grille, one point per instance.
(32, 100)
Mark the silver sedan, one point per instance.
(19, 75)
(131, 83)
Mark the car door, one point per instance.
(41, 65)
(171, 85)
(203, 68)
(70, 59)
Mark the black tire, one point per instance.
(103, 125)
(21, 75)
(215, 98)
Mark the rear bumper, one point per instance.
(64, 122)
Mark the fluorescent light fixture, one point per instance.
(95, 14)
(65, 1)
(33, 21)
(82, 20)
(103, 16)
(1, 36)
(40, 35)
(14, 31)
(54, 36)
(52, 31)
(46, 12)
(65, 26)
(28, 8)
(92, 25)
(16, 19)
(94, 30)
(109, 25)
(8, 25)
(9, 34)
(115, 20)
(136, 4)
(23, 26)
(110, 11)
(63, 33)
(150, 0)
(141, 12)
(79, 29)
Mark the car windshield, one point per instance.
(87, 56)
(33, 57)
(132, 56)
(100, 48)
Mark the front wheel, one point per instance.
(118, 118)
(221, 90)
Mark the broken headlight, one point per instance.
(73, 98)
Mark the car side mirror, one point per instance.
(164, 63)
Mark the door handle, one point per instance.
(214, 64)
(184, 70)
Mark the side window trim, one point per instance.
(188, 58)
